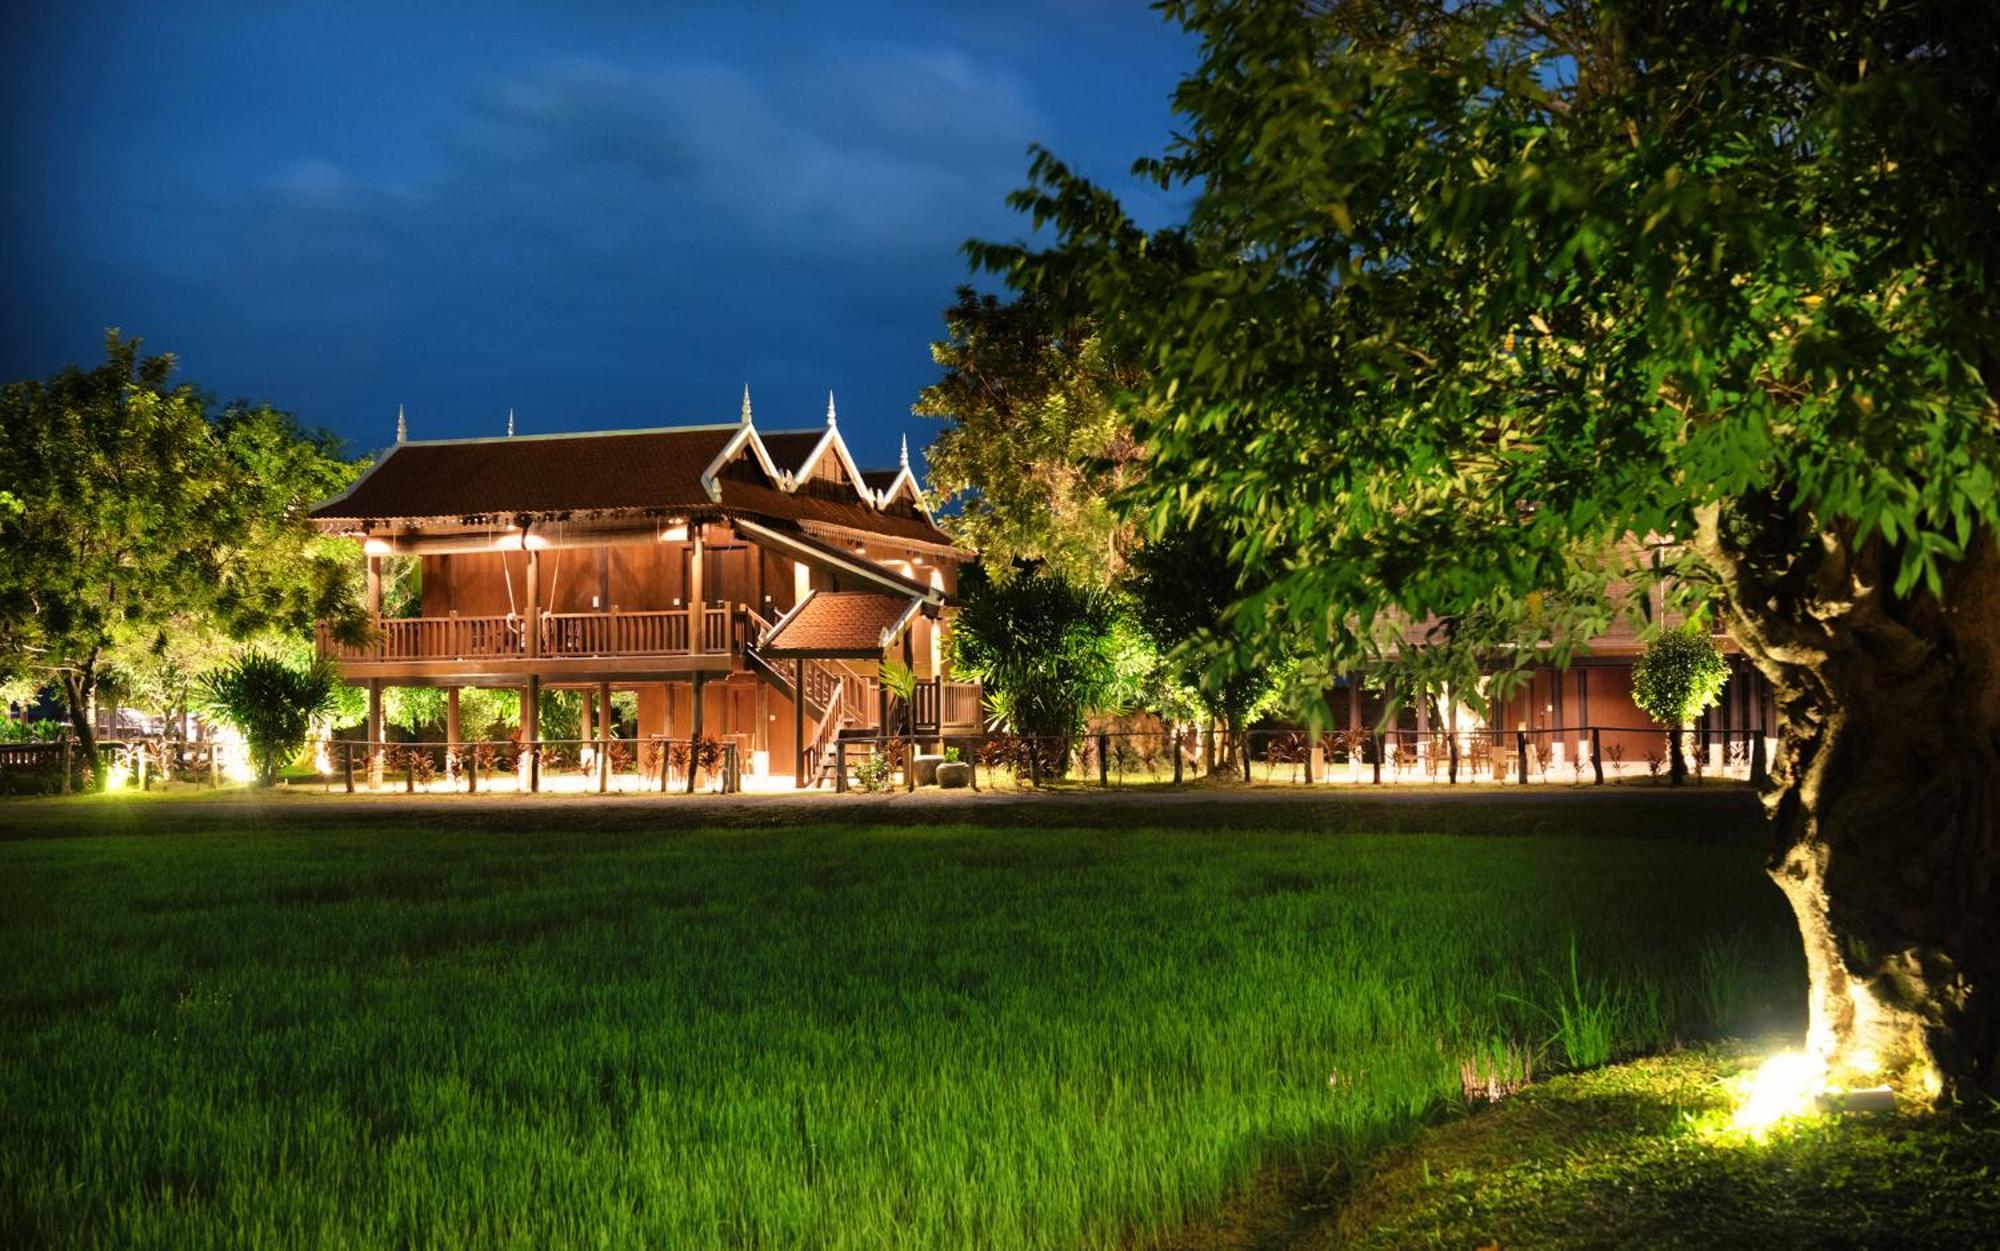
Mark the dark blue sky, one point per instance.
(603, 215)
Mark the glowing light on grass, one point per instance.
(1784, 1086)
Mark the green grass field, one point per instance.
(839, 1036)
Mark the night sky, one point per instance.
(600, 215)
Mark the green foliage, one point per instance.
(273, 705)
(420, 710)
(1183, 586)
(1468, 294)
(872, 772)
(899, 680)
(1639, 1155)
(1680, 674)
(1048, 651)
(147, 534)
(1034, 445)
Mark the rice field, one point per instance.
(836, 1036)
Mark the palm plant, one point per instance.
(271, 703)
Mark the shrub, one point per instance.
(271, 703)
(1680, 675)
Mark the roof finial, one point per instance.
(904, 459)
(402, 427)
(746, 403)
(829, 408)
(510, 421)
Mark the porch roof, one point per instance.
(848, 625)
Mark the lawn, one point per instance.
(841, 1035)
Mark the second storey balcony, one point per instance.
(667, 641)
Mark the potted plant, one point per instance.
(954, 773)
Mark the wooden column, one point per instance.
(531, 732)
(695, 556)
(533, 625)
(694, 737)
(910, 705)
(453, 735)
(374, 733)
(799, 722)
(603, 737)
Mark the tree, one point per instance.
(1183, 585)
(138, 516)
(272, 703)
(1049, 653)
(1034, 446)
(1470, 296)
(1680, 674)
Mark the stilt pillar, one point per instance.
(694, 736)
(454, 740)
(530, 764)
(374, 733)
(799, 722)
(603, 737)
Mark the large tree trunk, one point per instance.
(79, 688)
(1886, 830)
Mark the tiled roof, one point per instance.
(879, 479)
(850, 514)
(838, 623)
(557, 473)
(619, 471)
(789, 448)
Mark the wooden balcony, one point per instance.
(616, 642)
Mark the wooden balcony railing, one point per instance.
(563, 635)
(960, 702)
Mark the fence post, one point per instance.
(665, 751)
(1521, 754)
(471, 763)
(410, 771)
(1246, 755)
(1312, 749)
(1757, 765)
(535, 767)
(1179, 762)
(1378, 759)
(1034, 763)
(1104, 760)
(347, 760)
(1597, 755)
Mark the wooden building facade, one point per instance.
(746, 587)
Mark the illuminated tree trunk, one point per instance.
(1885, 825)
(79, 689)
